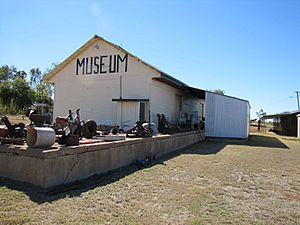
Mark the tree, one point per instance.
(5, 92)
(22, 93)
(42, 90)
(50, 86)
(20, 73)
(35, 76)
(12, 72)
(16, 92)
(4, 73)
(43, 93)
(218, 91)
(52, 67)
(261, 114)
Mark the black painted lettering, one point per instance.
(120, 60)
(96, 64)
(80, 64)
(89, 65)
(102, 64)
(112, 64)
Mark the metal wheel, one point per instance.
(89, 129)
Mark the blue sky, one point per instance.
(249, 48)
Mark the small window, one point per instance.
(142, 111)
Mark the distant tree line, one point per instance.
(19, 89)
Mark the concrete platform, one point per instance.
(58, 165)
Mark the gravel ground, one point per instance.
(214, 182)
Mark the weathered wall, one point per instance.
(49, 168)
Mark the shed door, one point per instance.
(142, 111)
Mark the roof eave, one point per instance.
(62, 65)
(164, 78)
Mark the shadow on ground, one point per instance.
(211, 146)
(261, 141)
(40, 195)
(265, 141)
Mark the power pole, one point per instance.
(297, 92)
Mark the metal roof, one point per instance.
(167, 79)
(281, 114)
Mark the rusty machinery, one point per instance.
(140, 129)
(164, 126)
(37, 119)
(113, 128)
(70, 129)
(14, 133)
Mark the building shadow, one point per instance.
(265, 141)
(40, 195)
(253, 141)
(207, 147)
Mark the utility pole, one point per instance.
(297, 92)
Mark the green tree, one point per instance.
(16, 92)
(5, 92)
(52, 67)
(12, 72)
(4, 73)
(43, 93)
(50, 87)
(43, 90)
(218, 91)
(21, 73)
(35, 76)
(22, 93)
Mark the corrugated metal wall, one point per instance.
(226, 116)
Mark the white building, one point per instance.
(110, 85)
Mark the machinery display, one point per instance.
(140, 129)
(13, 133)
(38, 115)
(71, 128)
(164, 126)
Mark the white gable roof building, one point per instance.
(110, 85)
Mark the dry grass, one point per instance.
(214, 182)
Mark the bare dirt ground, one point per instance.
(214, 182)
